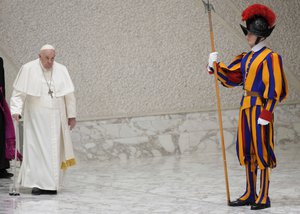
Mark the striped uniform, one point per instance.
(261, 75)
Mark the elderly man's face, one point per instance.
(47, 58)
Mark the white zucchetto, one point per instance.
(47, 47)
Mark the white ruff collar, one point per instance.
(258, 47)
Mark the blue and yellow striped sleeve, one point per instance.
(275, 84)
(231, 76)
(274, 80)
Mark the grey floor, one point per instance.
(174, 184)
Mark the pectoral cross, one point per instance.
(50, 92)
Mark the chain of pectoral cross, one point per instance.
(50, 92)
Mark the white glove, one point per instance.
(262, 121)
(213, 57)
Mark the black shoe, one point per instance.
(5, 174)
(239, 203)
(260, 206)
(38, 191)
(49, 192)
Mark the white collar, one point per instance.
(258, 47)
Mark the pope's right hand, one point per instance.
(213, 57)
(16, 117)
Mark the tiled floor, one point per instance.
(174, 184)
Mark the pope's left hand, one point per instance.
(72, 123)
(262, 122)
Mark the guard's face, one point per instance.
(47, 58)
(251, 38)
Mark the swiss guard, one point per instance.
(260, 74)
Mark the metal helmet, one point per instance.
(259, 19)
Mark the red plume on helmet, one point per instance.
(259, 10)
(259, 19)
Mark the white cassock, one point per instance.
(47, 146)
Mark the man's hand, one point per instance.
(72, 123)
(16, 117)
(213, 57)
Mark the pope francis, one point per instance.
(43, 96)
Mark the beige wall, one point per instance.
(140, 57)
